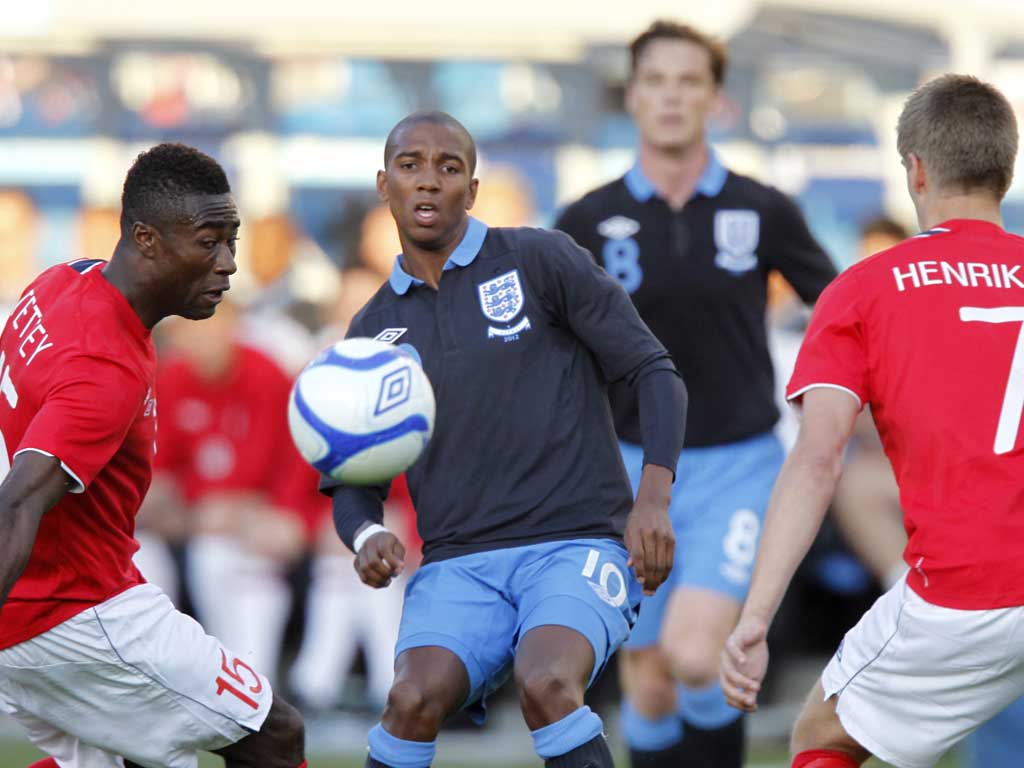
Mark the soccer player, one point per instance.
(521, 497)
(95, 664)
(693, 244)
(929, 333)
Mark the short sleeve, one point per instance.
(593, 305)
(795, 252)
(834, 350)
(85, 416)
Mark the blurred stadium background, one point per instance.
(296, 98)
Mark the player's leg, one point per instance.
(912, 679)
(819, 739)
(717, 514)
(553, 668)
(455, 638)
(155, 668)
(576, 602)
(279, 743)
(650, 723)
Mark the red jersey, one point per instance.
(931, 334)
(76, 377)
(231, 434)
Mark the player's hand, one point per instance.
(381, 558)
(744, 661)
(649, 536)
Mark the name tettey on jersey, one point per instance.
(699, 278)
(518, 342)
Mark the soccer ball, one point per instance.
(362, 411)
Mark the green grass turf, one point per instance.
(20, 754)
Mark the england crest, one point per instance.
(501, 298)
(736, 236)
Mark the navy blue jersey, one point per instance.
(520, 342)
(699, 278)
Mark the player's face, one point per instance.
(197, 257)
(428, 185)
(672, 93)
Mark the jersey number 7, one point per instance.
(1013, 400)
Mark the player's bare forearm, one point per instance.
(802, 493)
(35, 483)
(649, 536)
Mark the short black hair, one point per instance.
(663, 29)
(437, 118)
(161, 177)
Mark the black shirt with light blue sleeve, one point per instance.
(520, 342)
(699, 278)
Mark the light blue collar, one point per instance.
(709, 184)
(463, 255)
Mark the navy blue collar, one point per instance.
(463, 255)
(709, 184)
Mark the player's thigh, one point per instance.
(912, 678)
(454, 604)
(280, 742)
(697, 623)
(818, 727)
(149, 666)
(583, 585)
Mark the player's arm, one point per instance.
(797, 254)
(802, 493)
(359, 520)
(34, 485)
(601, 315)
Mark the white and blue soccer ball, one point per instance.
(362, 411)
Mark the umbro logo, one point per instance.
(618, 228)
(390, 335)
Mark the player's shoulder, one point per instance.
(596, 201)
(739, 188)
(532, 245)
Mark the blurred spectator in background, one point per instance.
(225, 450)
(505, 199)
(378, 242)
(98, 230)
(18, 234)
(342, 614)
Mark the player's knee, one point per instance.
(413, 712)
(547, 695)
(693, 664)
(648, 683)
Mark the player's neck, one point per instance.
(426, 262)
(118, 273)
(980, 207)
(674, 172)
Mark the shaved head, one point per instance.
(436, 118)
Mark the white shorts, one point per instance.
(914, 678)
(133, 678)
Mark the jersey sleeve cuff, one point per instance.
(79, 485)
(794, 397)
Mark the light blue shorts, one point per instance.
(480, 606)
(718, 504)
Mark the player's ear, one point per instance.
(917, 174)
(145, 238)
(474, 185)
(629, 101)
(382, 186)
